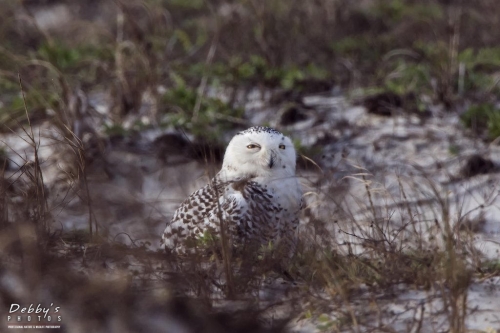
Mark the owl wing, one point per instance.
(189, 219)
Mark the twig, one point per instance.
(38, 177)
(226, 252)
(204, 79)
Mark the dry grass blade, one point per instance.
(4, 215)
(37, 177)
(204, 79)
(226, 247)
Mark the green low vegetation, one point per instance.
(483, 119)
(385, 45)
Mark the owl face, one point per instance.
(260, 152)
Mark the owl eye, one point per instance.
(252, 146)
(282, 146)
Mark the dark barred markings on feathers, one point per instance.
(260, 129)
(256, 193)
(249, 219)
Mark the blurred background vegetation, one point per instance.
(175, 53)
(194, 65)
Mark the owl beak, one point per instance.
(272, 159)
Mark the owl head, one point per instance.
(259, 152)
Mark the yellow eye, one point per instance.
(252, 146)
(282, 146)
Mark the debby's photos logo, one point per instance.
(34, 316)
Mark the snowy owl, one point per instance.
(256, 193)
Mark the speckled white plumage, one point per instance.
(256, 190)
